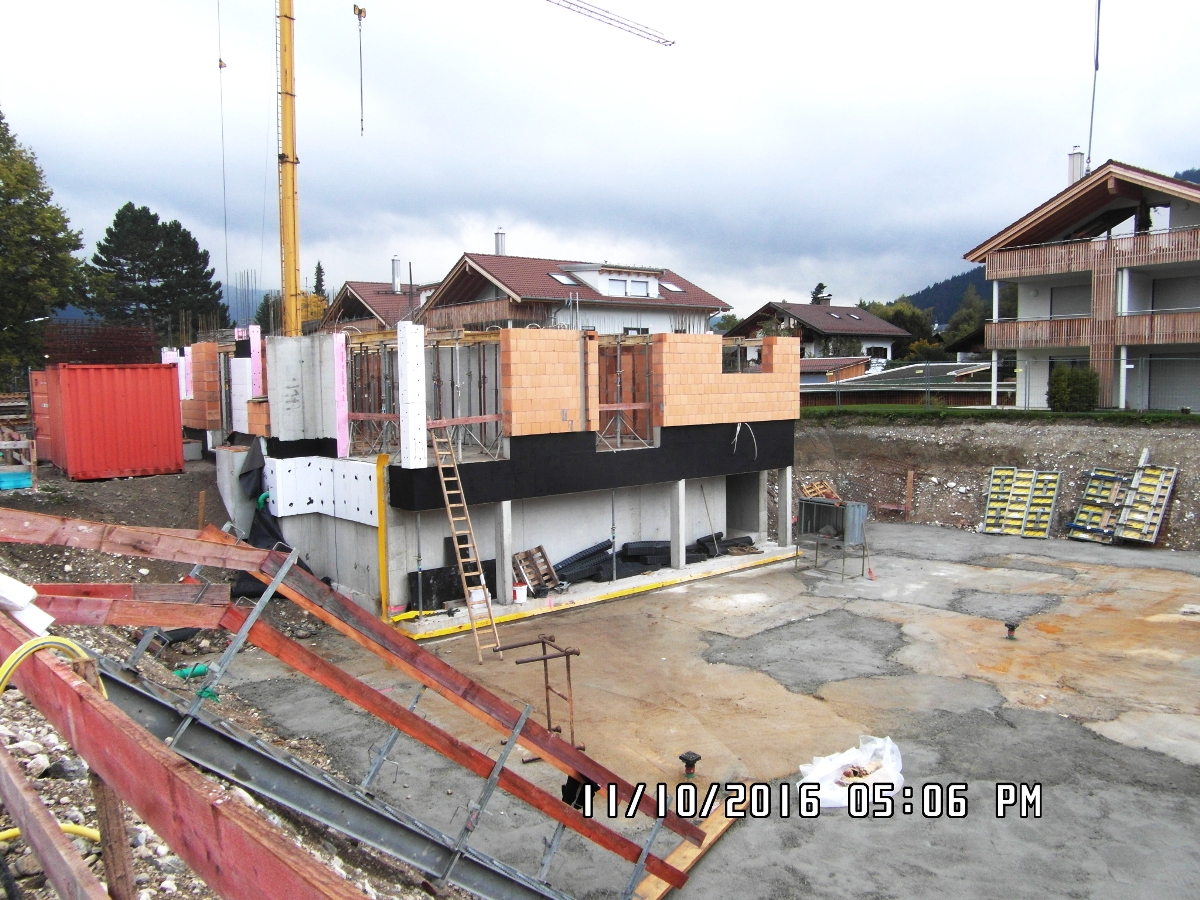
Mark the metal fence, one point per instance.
(1140, 382)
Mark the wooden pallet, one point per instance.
(470, 567)
(819, 490)
(533, 567)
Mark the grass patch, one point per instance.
(869, 414)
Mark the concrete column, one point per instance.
(679, 524)
(783, 507)
(504, 552)
(995, 376)
(762, 505)
(1123, 377)
(995, 301)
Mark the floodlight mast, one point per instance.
(609, 18)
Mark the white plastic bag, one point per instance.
(16, 598)
(880, 755)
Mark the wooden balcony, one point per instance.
(1158, 328)
(1038, 334)
(1151, 248)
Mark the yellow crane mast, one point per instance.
(289, 205)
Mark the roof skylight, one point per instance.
(852, 315)
(563, 279)
(673, 288)
(835, 315)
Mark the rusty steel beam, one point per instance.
(239, 856)
(218, 549)
(366, 697)
(64, 867)
(216, 594)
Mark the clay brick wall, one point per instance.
(204, 410)
(258, 417)
(539, 371)
(593, 388)
(691, 389)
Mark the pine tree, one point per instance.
(37, 270)
(147, 272)
(319, 282)
(818, 296)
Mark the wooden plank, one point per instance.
(108, 611)
(239, 855)
(462, 420)
(64, 867)
(685, 856)
(365, 697)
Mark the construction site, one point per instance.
(530, 582)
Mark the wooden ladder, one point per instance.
(470, 567)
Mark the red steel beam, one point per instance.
(365, 697)
(103, 611)
(64, 867)
(238, 855)
(216, 594)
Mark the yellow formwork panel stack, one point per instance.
(1096, 518)
(1020, 502)
(1145, 504)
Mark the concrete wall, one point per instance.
(347, 552)
(1071, 300)
(1177, 293)
(1135, 292)
(1184, 214)
(563, 525)
(307, 387)
(746, 505)
(238, 506)
(1033, 301)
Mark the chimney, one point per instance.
(397, 276)
(500, 242)
(1074, 166)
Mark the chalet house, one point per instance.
(485, 291)
(819, 323)
(1098, 286)
(374, 305)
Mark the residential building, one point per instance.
(497, 291)
(824, 328)
(1108, 276)
(376, 305)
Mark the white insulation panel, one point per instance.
(241, 389)
(410, 378)
(341, 488)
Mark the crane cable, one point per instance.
(360, 13)
(1095, 73)
(224, 189)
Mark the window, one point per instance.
(563, 279)
(835, 315)
(616, 287)
(639, 289)
(673, 288)
(635, 331)
(877, 352)
(852, 315)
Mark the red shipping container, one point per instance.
(114, 421)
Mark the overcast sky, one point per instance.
(866, 145)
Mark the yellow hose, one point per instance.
(49, 642)
(68, 827)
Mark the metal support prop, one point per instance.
(639, 869)
(551, 848)
(216, 672)
(377, 762)
(151, 633)
(475, 810)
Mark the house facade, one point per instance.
(485, 291)
(374, 305)
(820, 325)
(1108, 276)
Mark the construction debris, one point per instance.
(813, 489)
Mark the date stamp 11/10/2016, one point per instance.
(874, 800)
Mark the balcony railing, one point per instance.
(1172, 245)
(1025, 334)
(1158, 327)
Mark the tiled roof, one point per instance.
(389, 306)
(810, 364)
(529, 278)
(825, 320)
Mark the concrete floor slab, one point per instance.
(811, 662)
